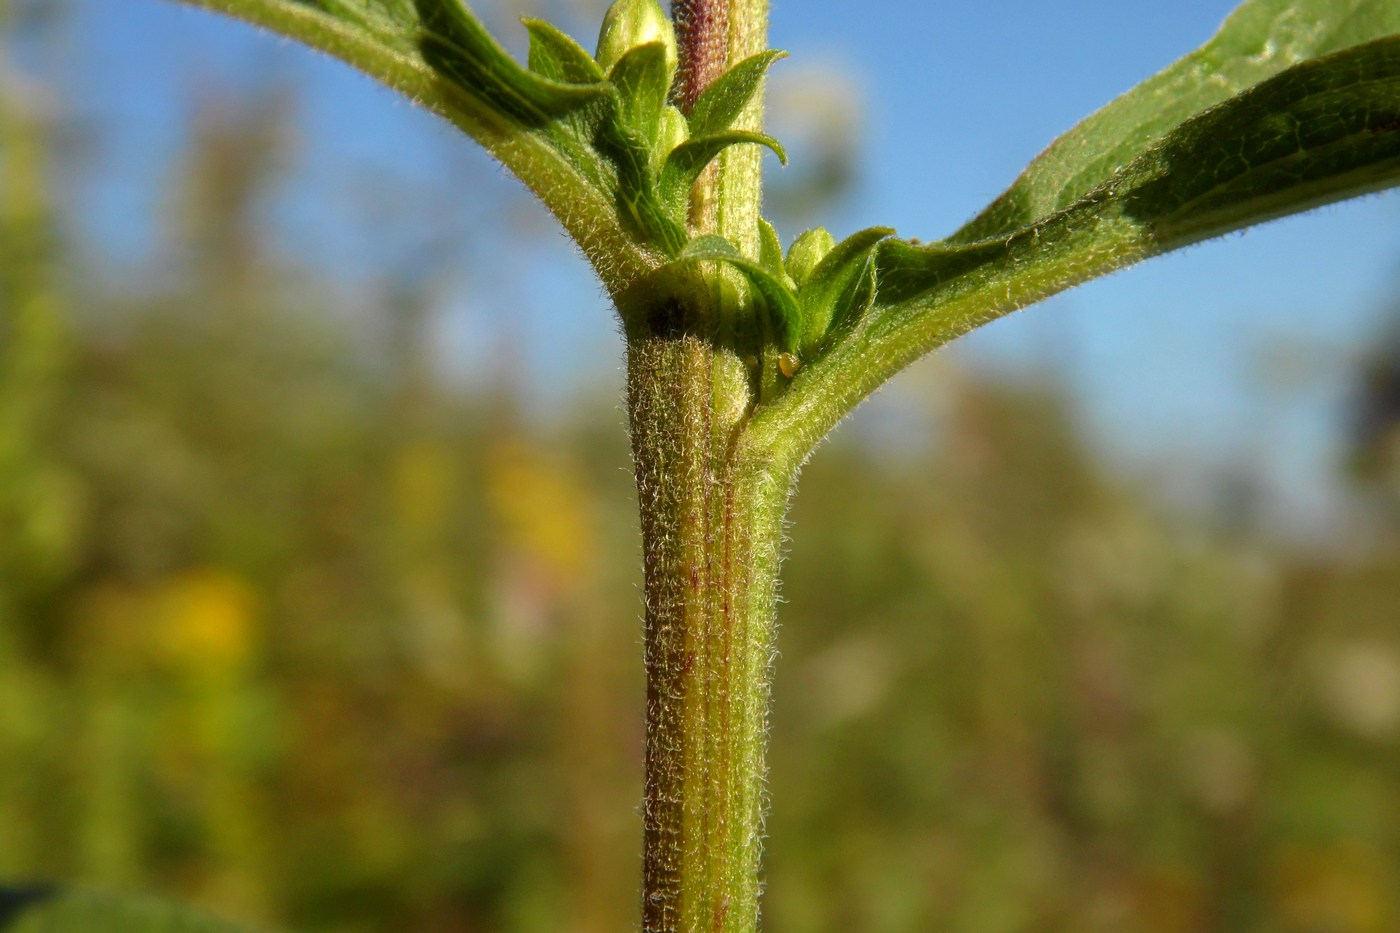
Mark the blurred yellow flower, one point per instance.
(544, 509)
(207, 621)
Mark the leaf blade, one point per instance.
(642, 79)
(1346, 107)
(1259, 40)
(782, 319)
(1324, 130)
(554, 54)
(1321, 131)
(685, 162)
(720, 104)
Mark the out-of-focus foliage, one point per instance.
(293, 628)
(1016, 698)
(1376, 425)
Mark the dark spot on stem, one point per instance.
(669, 319)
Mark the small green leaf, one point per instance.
(636, 189)
(721, 103)
(643, 80)
(670, 134)
(555, 55)
(770, 253)
(1260, 39)
(50, 909)
(688, 160)
(810, 247)
(780, 304)
(839, 288)
(456, 44)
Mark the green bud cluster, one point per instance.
(656, 153)
(819, 291)
(652, 153)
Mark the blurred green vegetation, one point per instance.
(295, 628)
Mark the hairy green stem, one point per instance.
(712, 521)
(712, 518)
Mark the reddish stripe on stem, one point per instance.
(702, 34)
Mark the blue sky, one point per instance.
(1229, 354)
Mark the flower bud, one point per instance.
(806, 252)
(630, 23)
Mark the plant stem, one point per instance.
(714, 34)
(712, 516)
(711, 529)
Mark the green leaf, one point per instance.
(49, 909)
(779, 302)
(720, 104)
(1321, 131)
(810, 248)
(839, 287)
(1318, 132)
(770, 253)
(688, 160)
(636, 190)
(456, 45)
(555, 55)
(1260, 39)
(643, 79)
